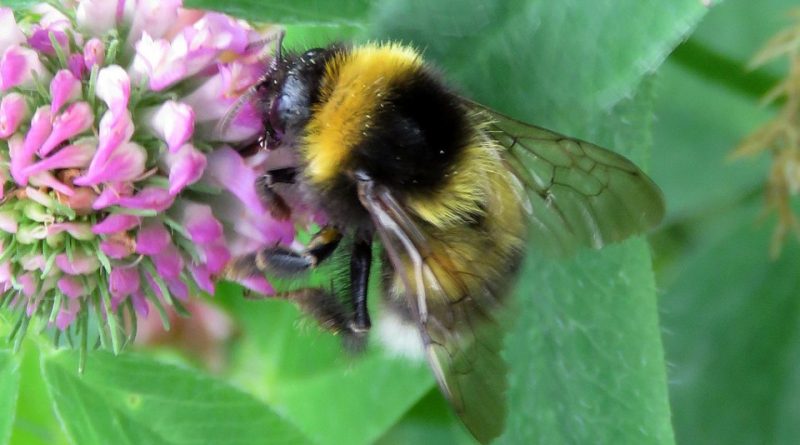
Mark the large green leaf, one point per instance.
(544, 61)
(9, 389)
(731, 312)
(303, 372)
(129, 399)
(699, 124)
(734, 337)
(708, 103)
(290, 11)
(35, 422)
(18, 4)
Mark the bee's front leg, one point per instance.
(274, 202)
(283, 261)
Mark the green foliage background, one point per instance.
(586, 356)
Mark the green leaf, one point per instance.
(18, 4)
(303, 36)
(702, 121)
(134, 400)
(733, 318)
(429, 421)
(9, 388)
(554, 61)
(290, 11)
(730, 312)
(35, 422)
(586, 351)
(304, 373)
(708, 103)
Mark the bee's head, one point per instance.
(289, 90)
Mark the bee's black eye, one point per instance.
(312, 56)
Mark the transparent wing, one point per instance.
(461, 334)
(579, 194)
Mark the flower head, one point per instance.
(117, 192)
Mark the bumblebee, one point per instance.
(452, 191)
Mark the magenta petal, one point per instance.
(78, 230)
(226, 33)
(76, 119)
(72, 156)
(10, 34)
(94, 53)
(114, 88)
(216, 256)
(46, 179)
(114, 130)
(17, 66)
(150, 198)
(99, 16)
(22, 156)
(111, 194)
(13, 109)
(173, 122)
(71, 287)
(202, 277)
(64, 87)
(28, 283)
(116, 223)
(66, 316)
(5, 272)
(258, 284)
(159, 62)
(152, 238)
(200, 223)
(178, 289)
(123, 281)
(40, 40)
(247, 125)
(115, 248)
(168, 262)
(76, 65)
(155, 17)
(140, 304)
(126, 163)
(227, 168)
(185, 167)
(81, 263)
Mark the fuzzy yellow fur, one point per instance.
(354, 85)
(353, 88)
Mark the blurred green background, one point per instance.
(663, 82)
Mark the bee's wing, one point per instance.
(462, 338)
(579, 194)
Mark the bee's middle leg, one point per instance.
(360, 262)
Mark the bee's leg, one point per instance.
(322, 305)
(283, 261)
(330, 313)
(274, 202)
(360, 262)
(284, 175)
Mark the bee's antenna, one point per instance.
(275, 36)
